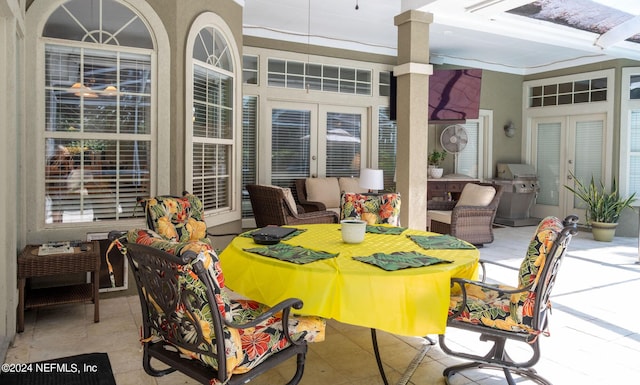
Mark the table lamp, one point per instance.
(371, 179)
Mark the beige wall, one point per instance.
(11, 139)
(177, 17)
(502, 94)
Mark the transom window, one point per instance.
(319, 77)
(579, 91)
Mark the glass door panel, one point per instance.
(292, 141)
(343, 144)
(564, 146)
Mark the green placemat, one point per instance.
(295, 254)
(393, 230)
(249, 234)
(400, 260)
(440, 242)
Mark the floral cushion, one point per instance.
(177, 218)
(512, 312)
(245, 348)
(372, 208)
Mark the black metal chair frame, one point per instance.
(497, 357)
(146, 262)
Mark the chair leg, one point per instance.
(150, 370)
(496, 358)
(529, 374)
(300, 359)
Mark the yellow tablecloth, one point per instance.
(411, 302)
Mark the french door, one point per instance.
(310, 140)
(565, 148)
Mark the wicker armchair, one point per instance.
(301, 195)
(471, 223)
(270, 207)
(510, 318)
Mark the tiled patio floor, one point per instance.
(595, 333)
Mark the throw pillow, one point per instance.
(476, 195)
(350, 185)
(291, 202)
(325, 190)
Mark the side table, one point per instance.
(30, 265)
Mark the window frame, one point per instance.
(35, 43)
(627, 105)
(234, 211)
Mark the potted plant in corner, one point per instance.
(435, 160)
(603, 207)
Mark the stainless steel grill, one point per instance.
(519, 189)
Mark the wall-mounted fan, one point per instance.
(454, 139)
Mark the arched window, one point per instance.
(99, 64)
(211, 160)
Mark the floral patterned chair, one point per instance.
(191, 325)
(371, 208)
(176, 218)
(500, 312)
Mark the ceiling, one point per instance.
(513, 36)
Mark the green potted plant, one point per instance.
(603, 208)
(435, 160)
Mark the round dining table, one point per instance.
(410, 301)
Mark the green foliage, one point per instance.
(602, 206)
(436, 157)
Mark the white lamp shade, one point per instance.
(371, 179)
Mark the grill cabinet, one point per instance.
(519, 190)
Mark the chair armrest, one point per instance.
(284, 307)
(441, 205)
(471, 211)
(313, 217)
(488, 286)
(310, 206)
(462, 282)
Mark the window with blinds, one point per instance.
(343, 144)
(290, 142)
(548, 163)
(97, 135)
(387, 147)
(634, 153)
(249, 149)
(588, 163)
(467, 160)
(212, 131)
